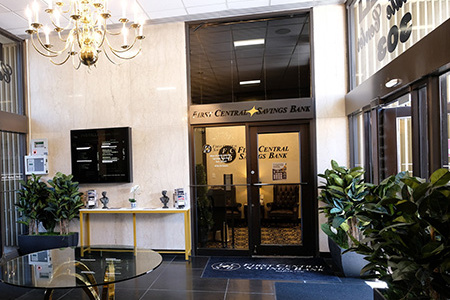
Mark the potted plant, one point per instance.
(33, 198)
(65, 200)
(343, 191)
(50, 206)
(407, 235)
(134, 190)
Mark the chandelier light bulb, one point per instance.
(47, 33)
(57, 15)
(125, 35)
(35, 7)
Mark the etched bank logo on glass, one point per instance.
(225, 266)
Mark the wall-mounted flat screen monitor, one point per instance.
(101, 155)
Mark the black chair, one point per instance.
(285, 202)
(225, 211)
(233, 208)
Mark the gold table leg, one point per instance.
(108, 292)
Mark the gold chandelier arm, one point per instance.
(60, 29)
(76, 67)
(41, 52)
(61, 38)
(76, 31)
(63, 62)
(55, 53)
(113, 33)
(103, 35)
(109, 58)
(127, 57)
(123, 50)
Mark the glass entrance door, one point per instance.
(220, 188)
(252, 191)
(281, 202)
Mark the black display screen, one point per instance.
(101, 155)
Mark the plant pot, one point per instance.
(349, 263)
(133, 204)
(33, 243)
(377, 294)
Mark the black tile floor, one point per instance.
(174, 279)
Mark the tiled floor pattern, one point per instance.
(174, 279)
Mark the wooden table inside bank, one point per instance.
(84, 224)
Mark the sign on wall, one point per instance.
(251, 111)
(279, 171)
(384, 29)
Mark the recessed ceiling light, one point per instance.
(250, 82)
(393, 82)
(249, 42)
(282, 31)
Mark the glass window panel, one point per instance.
(377, 39)
(359, 140)
(280, 193)
(275, 66)
(445, 100)
(396, 137)
(404, 144)
(11, 99)
(11, 170)
(221, 187)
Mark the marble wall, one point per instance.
(61, 99)
(330, 79)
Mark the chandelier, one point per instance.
(85, 34)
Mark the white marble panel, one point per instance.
(130, 94)
(330, 80)
(332, 143)
(330, 60)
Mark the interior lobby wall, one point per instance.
(330, 80)
(148, 94)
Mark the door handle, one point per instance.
(262, 184)
(266, 184)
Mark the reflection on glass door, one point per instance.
(279, 193)
(258, 210)
(445, 100)
(404, 144)
(396, 137)
(221, 187)
(283, 209)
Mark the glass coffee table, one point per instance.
(76, 267)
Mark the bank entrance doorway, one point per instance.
(254, 190)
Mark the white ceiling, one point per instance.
(13, 19)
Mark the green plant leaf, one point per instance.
(337, 221)
(440, 177)
(335, 210)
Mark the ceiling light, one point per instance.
(87, 34)
(393, 82)
(249, 42)
(283, 31)
(250, 82)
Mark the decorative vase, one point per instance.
(133, 204)
(349, 263)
